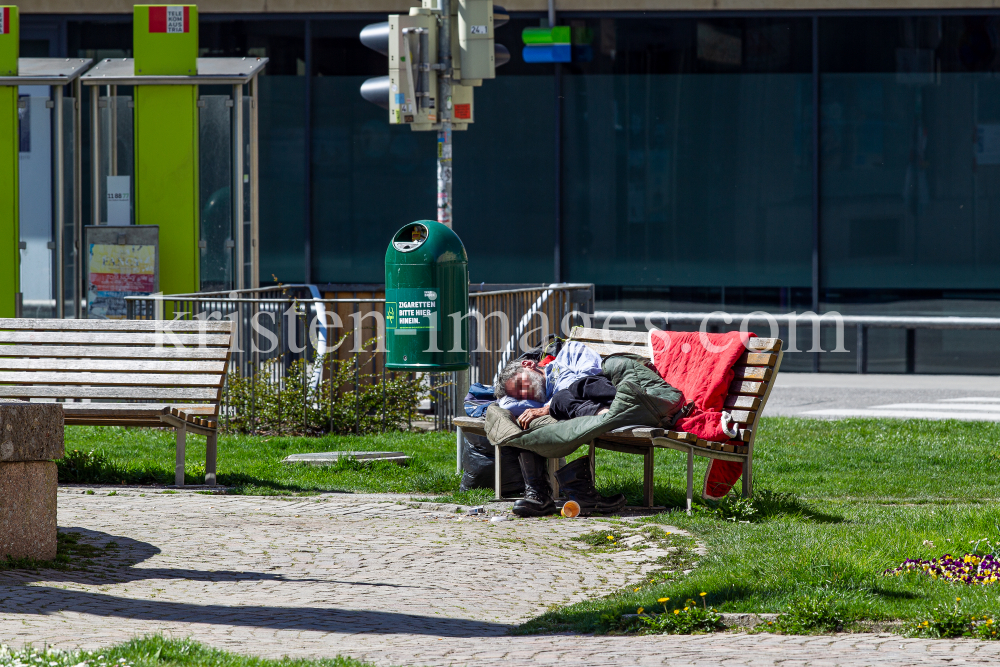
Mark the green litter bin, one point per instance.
(426, 299)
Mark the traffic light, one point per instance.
(478, 54)
(410, 91)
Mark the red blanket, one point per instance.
(701, 366)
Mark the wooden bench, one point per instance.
(123, 373)
(748, 394)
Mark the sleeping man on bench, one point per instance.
(565, 404)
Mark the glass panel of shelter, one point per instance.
(117, 156)
(215, 122)
(46, 180)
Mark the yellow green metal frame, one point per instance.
(10, 238)
(166, 147)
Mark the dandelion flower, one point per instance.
(663, 599)
(702, 594)
(958, 599)
(677, 611)
(640, 610)
(611, 537)
(636, 590)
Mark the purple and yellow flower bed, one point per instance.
(969, 569)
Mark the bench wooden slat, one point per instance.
(114, 352)
(764, 344)
(98, 420)
(752, 372)
(743, 416)
(606, 350)
(469, 422)
(757, 359)
(189, 326)
(748, 388)
(101, 338)
(139, 393)
(609, 335)
(636, 432)
(111, 379)
(744, 402)
(129, 410)
(113, 365)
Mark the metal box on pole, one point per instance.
(426, 299)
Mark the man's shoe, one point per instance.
(576, 483)
(537, 499)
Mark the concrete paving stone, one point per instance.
(367, 577)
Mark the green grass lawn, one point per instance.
(862, 496)
(854, 497)
(886, 460)
(157, 651)
(252, 465)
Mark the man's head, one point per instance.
(521, 380)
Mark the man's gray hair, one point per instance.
(508, 373)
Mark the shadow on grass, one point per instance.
(585, 618)
(764, 505)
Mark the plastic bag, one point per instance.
(477, 464)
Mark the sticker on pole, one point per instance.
(169, 19)
(5, 21)
(411, 308)
(119, 190)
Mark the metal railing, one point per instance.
(277, 326)
(787, 327)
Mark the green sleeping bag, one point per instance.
(642, 398)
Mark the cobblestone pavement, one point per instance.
(369, 577)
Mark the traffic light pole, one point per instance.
(444, 164)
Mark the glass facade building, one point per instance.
(783, 161)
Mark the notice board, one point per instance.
(121, 262)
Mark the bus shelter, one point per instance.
(131, 186)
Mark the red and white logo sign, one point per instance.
(5, 21)
(168, 18)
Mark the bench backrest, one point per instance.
(124, 360)
(754, 371)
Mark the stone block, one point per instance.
(31, 431)
(28, 509)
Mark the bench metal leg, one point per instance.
(593, 462)
(179, 464)
(496, 473)
(211, 450)
(647, 477)
(458, 449)
(690, 480)
(747, 479)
